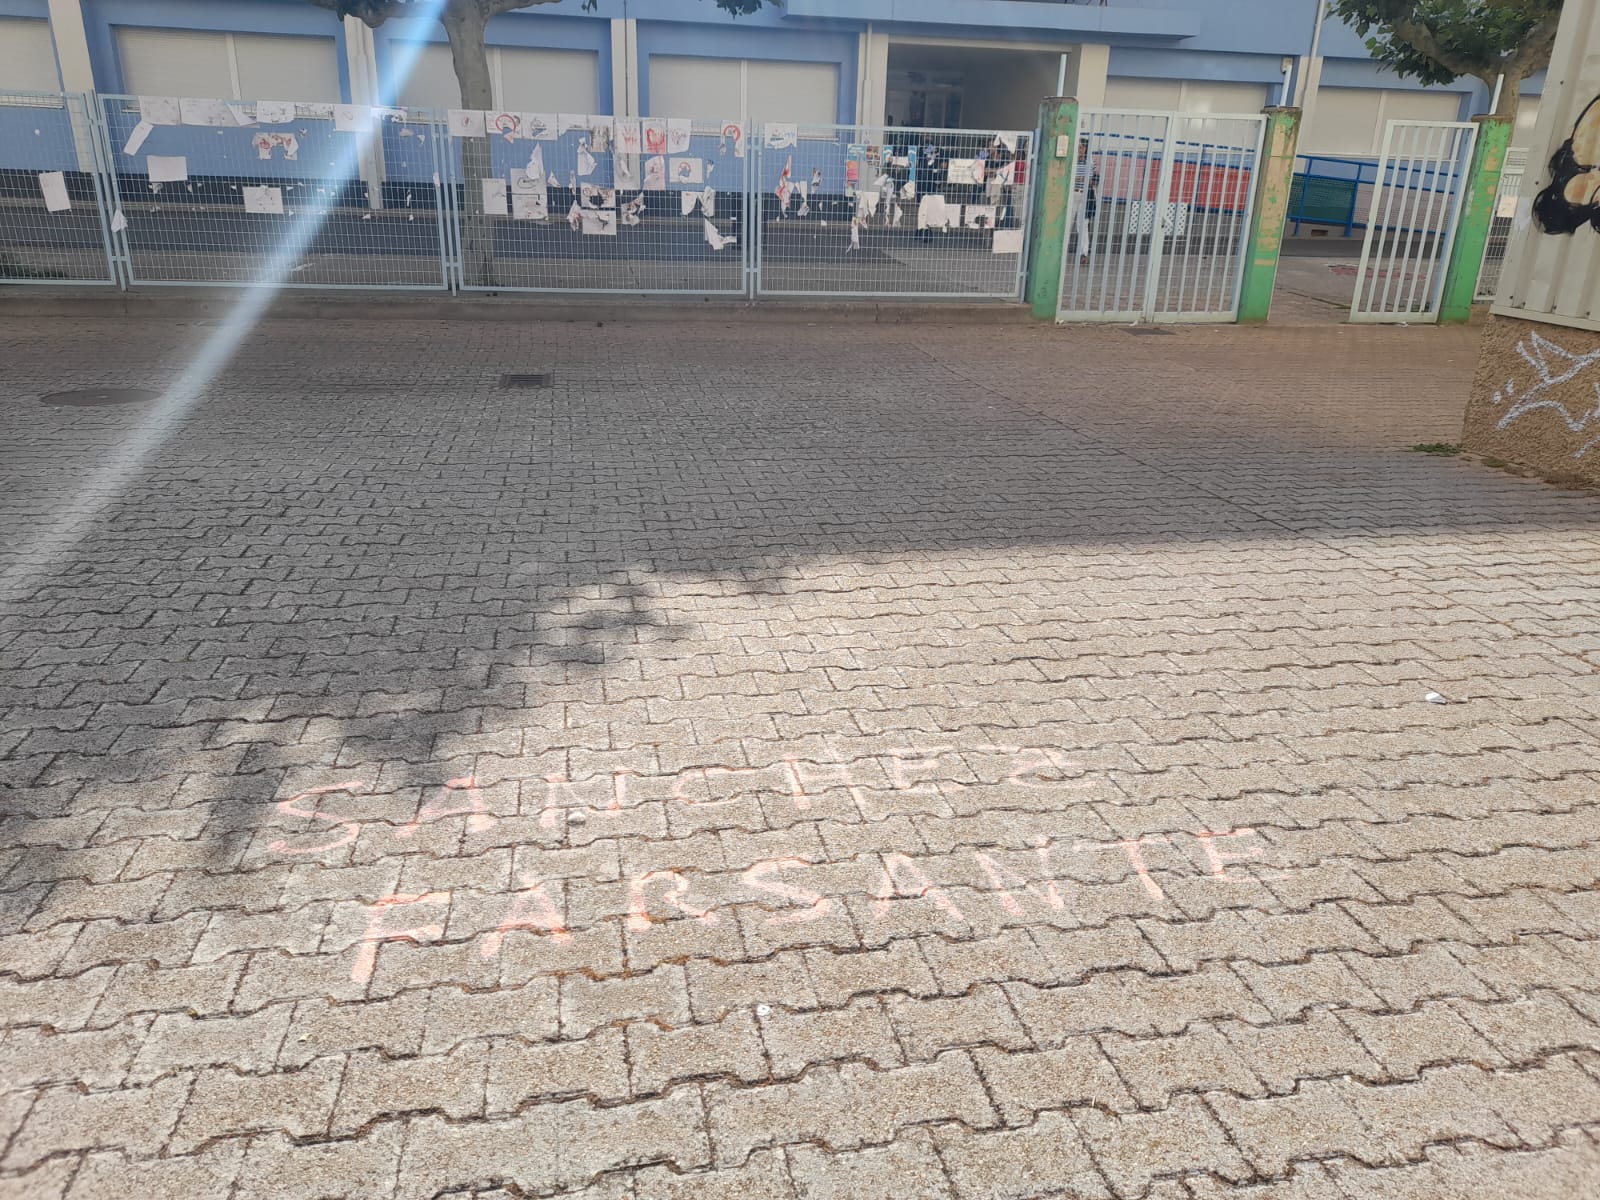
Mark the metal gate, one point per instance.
(1411, 227)
(1159, 215)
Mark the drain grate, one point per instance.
(97, 397)
(538, 379)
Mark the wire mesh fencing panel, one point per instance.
(844, 210)
(1159, 215)
(281, 192)
(1416, 204)
(559, 202)
(54, 221)
(1505, 213)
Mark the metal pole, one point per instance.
(1311, 57)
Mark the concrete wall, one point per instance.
(1536, 397)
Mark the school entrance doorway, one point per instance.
(946, 86)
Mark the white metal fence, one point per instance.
(1159, 216)
(312, 195)
(1416, 206)
(55, 219)
(161, 191)
(563, 203)
(843, 210)
(1505, 212)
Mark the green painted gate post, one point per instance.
(1058, 126)
(1273, 183)
(1477, 214)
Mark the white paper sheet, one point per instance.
(733, 132)
(167, 168)
(855, 236)
(118, 222)
(978, 216)
(586, 162)
(866, 205)
(552, 181)
(717, 241)
(507, 124)
(541, 127)
(160, 110)
(965, 171)
(523, 182)
(352, 118)
(655, 174)
(567, 122)
(530, 206)
(931, 213)
(655, 135)
(625, 171)
(466, 122)
(629, 136)
(575, 217)
(262, 199)
(599, 222)
(1008, 241)
(895, 214)
(494, 197)
(136, 137)
(274, 112)
(687, 170)
(688, 201)
(204, 112)
(266, 143)
(780, 137)
(679, 131)
(600, 132)
(241, 115)
(631, 210)
(53, 187)
(535, 169)
(589, 196)
(1008, 140)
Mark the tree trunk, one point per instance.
(464, 24)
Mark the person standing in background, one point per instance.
(1086, 198)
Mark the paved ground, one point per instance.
(819, 761)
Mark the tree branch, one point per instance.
(1534, 53)
(1424, 41)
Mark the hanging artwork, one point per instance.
(781, 137)
(733, 132)
(655, 135)
(530, 206)
(687, 170)
(679, 132)
(629, 136)
(625, 171)
(507, 124)
(655, 174)
(462, 122)
(541, 127)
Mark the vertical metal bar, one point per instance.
(99, 163)
(1405, 231)
(1159, 222)
(1360, 299)
(1428, 248)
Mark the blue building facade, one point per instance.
(960, 63)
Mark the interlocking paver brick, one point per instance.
(1001, 782)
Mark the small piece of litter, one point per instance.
(1435, 698)
(763, 1010)
(577, 818)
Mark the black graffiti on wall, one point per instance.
(1572, 200)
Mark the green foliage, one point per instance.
(1442, 449)
(1439, 41)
